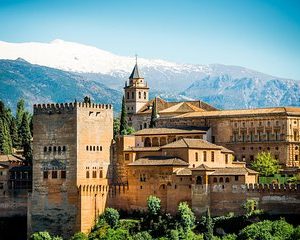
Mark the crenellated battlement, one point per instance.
(273, 187)
(58, 108)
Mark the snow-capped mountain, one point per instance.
(220, 85)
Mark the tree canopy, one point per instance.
(265, 164)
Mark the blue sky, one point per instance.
(262, 35)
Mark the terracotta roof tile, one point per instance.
(159, 161)
(161, 131)
(192, 143)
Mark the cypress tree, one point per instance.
(14, 133)
(25, 134)
(123, 120)
(5, 140)
(20, 112)
(209, 234)
(153, 115)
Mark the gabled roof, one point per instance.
(183, 172)
(182, 107)
(161, 131)
(135, 72)
(232, 171)
(159, 161)
(192, 143)
(203, 167)
(178, 107)
(244, 112)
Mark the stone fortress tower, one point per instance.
(72, 145)
(136, 93)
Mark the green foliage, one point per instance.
(20, 112)
(5, 140)
(265, 164)
(123, 120)
(14, 133)
(41, 236)
(181, 234)
(267, 230)
(116, 127)
(209, 226)
(296, 233)
(25, 136)
(153, 204)
(186, 216)
(142, 236)
(111, 216)
(229, 237)
(133, 226)
(250, 207)
(79, 236)
(153, 115)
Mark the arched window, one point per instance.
(91, 148)
(215, 180)
(127, 95)
(59, 148)
(145, 125)
(54, 149)
(221, 179)
(50, 149)
(227, 179)
(132, 95)
(94, 148)
(140, 95)
(196, 157)
(199, 180)
(97, 148)
(45, 149)
(155, 142)
(163, 141)
(87, 148)
(147, 142)
(87, 174)
(145, 95)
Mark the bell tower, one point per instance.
(136, 93)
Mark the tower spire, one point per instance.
(136, 56)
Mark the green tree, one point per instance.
(5, 139)
(186, 216)
(24, 133)
(296, 233)
(123, 119)
(41, 236)
(209, 226)
(111, 216)
(20, 112)
(265, 164)
(79, 236)
(153, 204)
(250, 207)
(153, 115)
(142, 236)
(267, 230)
(14, 133)
(116, 127)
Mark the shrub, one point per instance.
(41, 236)
(186, 216)
(153, 204)
(265, 164)
(142, 236)
(266, 230)
(133, 226)
(79, 236)
(111, 216)
(296, 234)
(229, 237)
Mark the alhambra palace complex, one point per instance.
(196, 153)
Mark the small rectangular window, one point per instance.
(94, 174)
(212, 156)
(127, 157)
(87, 174)
(63, 174)
(45, 174)
(204, 156)
(101, 174)
(236, 178)
(226, 158)
(54, 174)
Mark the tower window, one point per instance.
(140, 95)
(132, 95)
(54, 174)
(236, 178)
(145, 95)
(100, 148)
(101, 174)
(204, 156)
(63, 174)
(94, 148)
(54, 148)
(91, 148)
(212, 156)
(50, 149)
(45, 174)
(87, 174)
(196, 157)
(59, 148)
(127, 95)
(45, 149)
(87, 148)
(94, 174)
